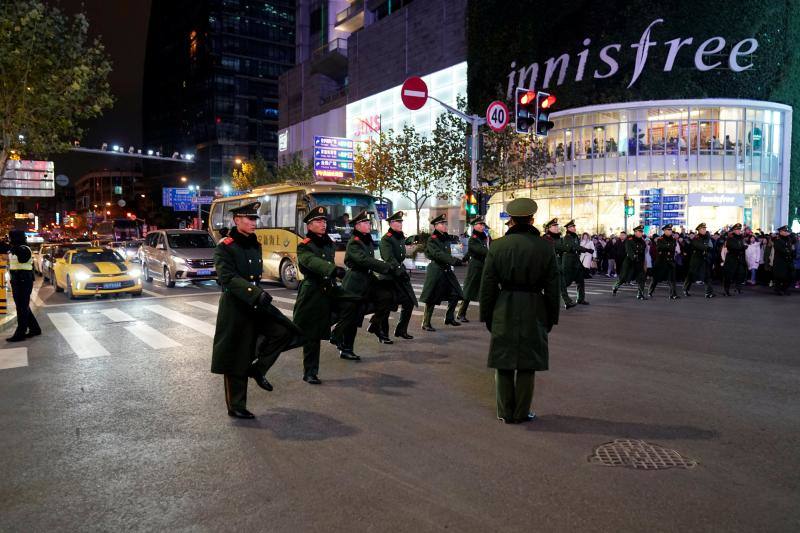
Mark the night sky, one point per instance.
(122, 26)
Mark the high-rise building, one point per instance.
(210, 85)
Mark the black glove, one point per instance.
(339, 272)
(399, 272)
(264, 299)
(458, 262)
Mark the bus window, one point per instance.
(216, 215)
(227, 216)
(342, 208)
(287, 211)
(266, 212)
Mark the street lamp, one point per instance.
(238, 160)
(183, 179)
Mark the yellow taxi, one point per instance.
(93, 271)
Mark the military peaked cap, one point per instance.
(396, 217)
(736, 226)
(247, 210)
(361, 217)
(784, 228)
(700, 226)
(521, 207)
(478, 220)
(316, 213)
(553, 222)
(666, 227)
(438, 220)
(570, 223)
(639, 228)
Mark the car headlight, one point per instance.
(82, 276)
(135, 272)
(179, 260)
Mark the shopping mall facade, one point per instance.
(682, 162)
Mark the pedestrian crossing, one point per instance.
(163, 327)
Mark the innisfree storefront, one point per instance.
(684, 109)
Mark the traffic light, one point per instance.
(525, 110)
(472, 204)
(628, 207)
(544, 105)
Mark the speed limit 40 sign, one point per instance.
(497, 115)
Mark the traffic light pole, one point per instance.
(476, 122)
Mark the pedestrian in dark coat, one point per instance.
(783, 253)
(440, 280)
(735, 264)
(519, 302)
(21, 273)
(664, 266)
(569, 250)
(360, 281)
(633, 266)
(701, 261)
(477, 248)
(318, 295)
(393, 252)
(251, 333)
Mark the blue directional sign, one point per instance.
(333, 157)
(181, 199)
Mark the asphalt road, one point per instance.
(112, 421)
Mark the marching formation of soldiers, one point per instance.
(519, 279)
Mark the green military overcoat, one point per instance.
(317, 296)
(735, 266)
(477, 248)
(519, 299)
(664, 266)
(783, 251)
(633, 265)
(238, 263)
(568, 248)
(700, 263)
(361, 262)
(393, 252)
(440, 280)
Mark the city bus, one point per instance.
(280, 224)
(118, 229)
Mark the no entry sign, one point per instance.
(414, 93)
(497, 115)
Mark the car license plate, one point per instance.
(112, 285)
(204, 272)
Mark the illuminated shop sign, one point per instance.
(707, 56)
(715, 199)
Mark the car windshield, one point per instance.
(102, 256)
(133, 244)
(61, 249)
(190, 240)
(341, 210)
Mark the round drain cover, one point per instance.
(640, 455)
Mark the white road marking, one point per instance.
(151, 293)
(116, 315)
(205, 306)
(152, 337)
(13, 358)
(198, 325)
(81, 341)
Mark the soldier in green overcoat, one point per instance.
(783, 252)
(477, 248)
(633, 265)
(393, 251)
(251, 333)
(440, 280)
(552, 234)
(569, 250)
(734, 269)
(664, 267)
(519, 302)
(360, 281)
(701, 261)
(318, 294)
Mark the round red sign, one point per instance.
(414, 93)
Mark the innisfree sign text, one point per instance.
(706, 57)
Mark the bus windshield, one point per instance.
(342, 208)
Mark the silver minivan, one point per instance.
(178, 255)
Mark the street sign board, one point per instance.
(179, 199)
(333, 158)
(28, 178)
(497, 116)
(62, 180)
(202, 200)
(414, 93)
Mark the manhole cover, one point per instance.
(640, 455)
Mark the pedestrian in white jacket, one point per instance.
(753, 255)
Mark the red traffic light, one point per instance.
(547, 102)
(527, 97)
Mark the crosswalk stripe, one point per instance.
(13, 358)
(205, 306)
(81, 341)
(152, 337)
(117, 315)
(150, 293)
(198, 325)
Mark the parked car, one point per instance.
(44, 261)
(96, 271)
(178, 255)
